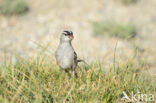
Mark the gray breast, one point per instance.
(65, 56)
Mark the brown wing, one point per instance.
(75, 56)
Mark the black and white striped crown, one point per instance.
(67, 32)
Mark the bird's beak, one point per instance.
(71, 37)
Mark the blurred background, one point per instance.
(29, 27)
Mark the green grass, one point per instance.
(128, 2)
(124, 31)
(39, 80)
(13, 7)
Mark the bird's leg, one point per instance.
(74, 72)
(67, 71)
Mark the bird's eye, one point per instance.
(65, 34)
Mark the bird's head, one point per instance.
(67, 36)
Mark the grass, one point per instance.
(128, 2)
(124, 31)
(11, 7)
(39, 80)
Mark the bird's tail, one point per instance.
(86, 64)
(81, 60)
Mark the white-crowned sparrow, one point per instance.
(65, 55)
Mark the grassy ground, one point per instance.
(128, 2)
(11, 7)
(39, 80)
(124, 31)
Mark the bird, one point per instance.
(65, 54)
